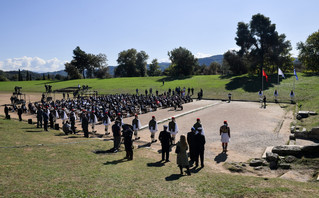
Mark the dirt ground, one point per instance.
(252, 128)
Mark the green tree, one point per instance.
(309, 52)
(73, 72)
(20, 76)
(154, 68)
(49, 77)
(234, 62)
(102, 72)
(95, 62)
(80, 60)
(183, 62)
(141, 63)
(58, 77)
(27, 77)
(126, 64)
(261, 44)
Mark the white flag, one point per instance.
(280, 73)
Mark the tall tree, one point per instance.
(73, 72)
(141, 63)
(154, 68)
(80, 60)
(262, 45)
(183, 62)
(234, 62)
(27, 77)
(309, 52)
(126, 64)
(19, 76)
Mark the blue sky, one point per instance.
(40, 35)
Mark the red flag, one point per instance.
(264, 74)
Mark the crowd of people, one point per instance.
(107, 109)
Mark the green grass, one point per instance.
(243, 87)
(55, 169)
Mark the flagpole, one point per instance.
(262, 81)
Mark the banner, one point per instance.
(264, 74)
(280, 73)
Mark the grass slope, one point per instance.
(243, 87)
(57, 169)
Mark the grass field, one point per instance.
(53, 166)
(215, 87)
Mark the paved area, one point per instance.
(253, 129)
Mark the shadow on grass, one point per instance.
(60, 134)
(221, 157)
(195, 169)
(172, 78)
(34, 131)
(252, 83)
(114, 162)
(156, 164)
(144, 145)
(173, 177)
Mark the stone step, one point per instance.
(268, 149)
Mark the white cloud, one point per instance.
(202, 55)
(35, 64)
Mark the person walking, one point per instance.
(182, 158)
(229, 97)
(116, 129)
(152, 125)
(191, 144)
(225, 135)
(128, 143)
(173, 129)
(136, 126)
(199, 147)
(264, 101)
(166, 142)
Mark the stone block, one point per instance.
(303, 114)
(312, 113)
(311, 150)
(272, 157)
(285, 150)
(284, 166)
(290, 159)
(292, 137)
(292, 129)
(256, 162)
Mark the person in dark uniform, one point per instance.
(20, 113)
(264, 101)
(146, 92)
(229, 97)
(116, 129)
(152, 126)
(192, 91)
(197, 124)
(6, 111)
(85, 125)
(51, 118)
(45, 120)
(199, 147)
(72, 120)
(191, 143)
(39, 117)
(166, 142)
(128, 143)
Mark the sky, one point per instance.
(40, 35)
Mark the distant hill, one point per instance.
(208, 60)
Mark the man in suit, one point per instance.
(166, 142)
(199, 147)
(191, 142)
(85, 125)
